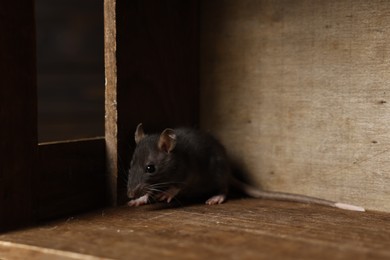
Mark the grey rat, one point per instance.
(191, 163)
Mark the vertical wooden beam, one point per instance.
(18, 102)
(111, 118)
(152, 62)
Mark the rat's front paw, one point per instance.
(139, 201)
(168, 195)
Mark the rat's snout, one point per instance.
(136, 192)
(130, 194)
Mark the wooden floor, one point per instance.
(238, 229)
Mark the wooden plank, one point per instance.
(71, 178)
(20, 251)
(239, 229)
(18, 105)
(298, 92)
(151, 70)
(111, 115)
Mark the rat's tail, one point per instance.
(257, 193)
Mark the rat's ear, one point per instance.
(167, 141)
(139, 133)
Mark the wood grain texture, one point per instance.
(71, 178)
(18, 106)
(239, 229)
(298, 92)
(155, 71)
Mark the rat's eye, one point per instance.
(150, 168)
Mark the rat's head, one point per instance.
(152, 164)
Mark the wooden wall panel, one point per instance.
(18, 134)
(70, 179)
(151, 70)
(299, 92)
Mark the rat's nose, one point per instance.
(136, 192)
(130, 194)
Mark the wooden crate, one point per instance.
(296, 90)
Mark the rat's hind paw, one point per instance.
(217, 199)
